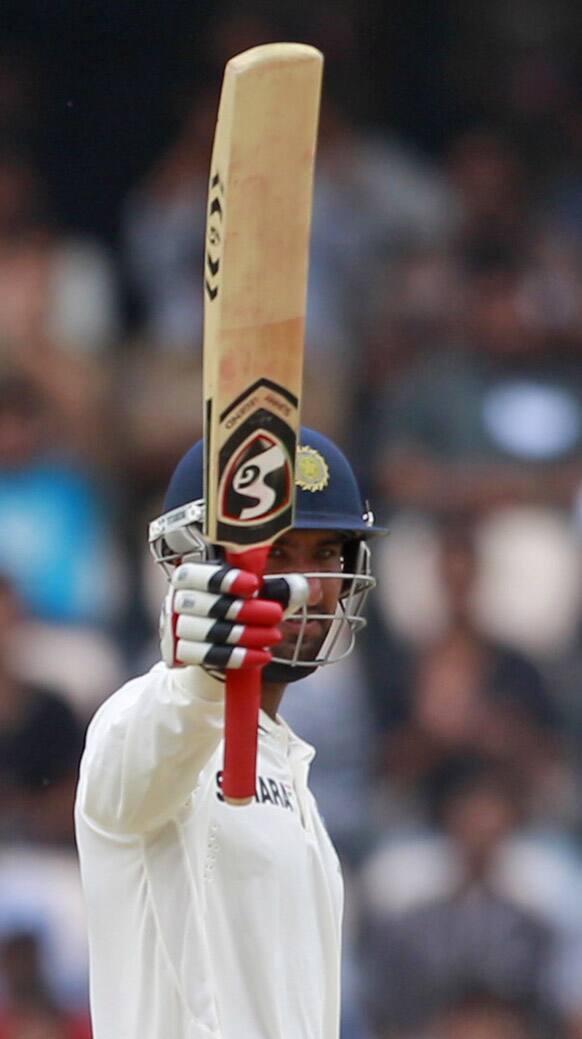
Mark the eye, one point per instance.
(330, 553)
(277, 552)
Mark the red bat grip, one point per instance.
(243, 700)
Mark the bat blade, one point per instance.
(255, 285)
(256, 264)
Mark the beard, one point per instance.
(313, 635)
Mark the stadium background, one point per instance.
(444, 352)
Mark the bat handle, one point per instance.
(243, 700)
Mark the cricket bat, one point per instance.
(255, 285)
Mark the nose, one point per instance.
(315, 591)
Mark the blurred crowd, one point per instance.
(444, 354)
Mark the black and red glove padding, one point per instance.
(213, 616)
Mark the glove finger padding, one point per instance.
(212, 616)
(220, 658)
(199, 629)
(224, 607)
(292, 591)
(219, 579)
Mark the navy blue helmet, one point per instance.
(327, 497)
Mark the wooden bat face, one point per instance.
(257, 244)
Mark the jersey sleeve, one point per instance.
(146, 747)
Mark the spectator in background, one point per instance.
(27, 1008)
(163, 234)
(497, 423)
(57, 545)
(163, 226)
(41, 740)
(461, 691)
(490, 183)
(40, 748)
(55, 286)
(562, 186)
(83, 663)
(481, 1015)
(58, 311)
(455, 920)
(491, 424)
(375, 199)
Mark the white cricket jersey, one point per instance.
(206, 920)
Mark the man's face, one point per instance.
(305, 552)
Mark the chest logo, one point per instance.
(268, 791)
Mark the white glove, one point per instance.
(212, 615)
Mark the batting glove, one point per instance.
(213, 615)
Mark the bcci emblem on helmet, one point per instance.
(312, 472)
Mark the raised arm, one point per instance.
(149, 742)
(146, 747)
